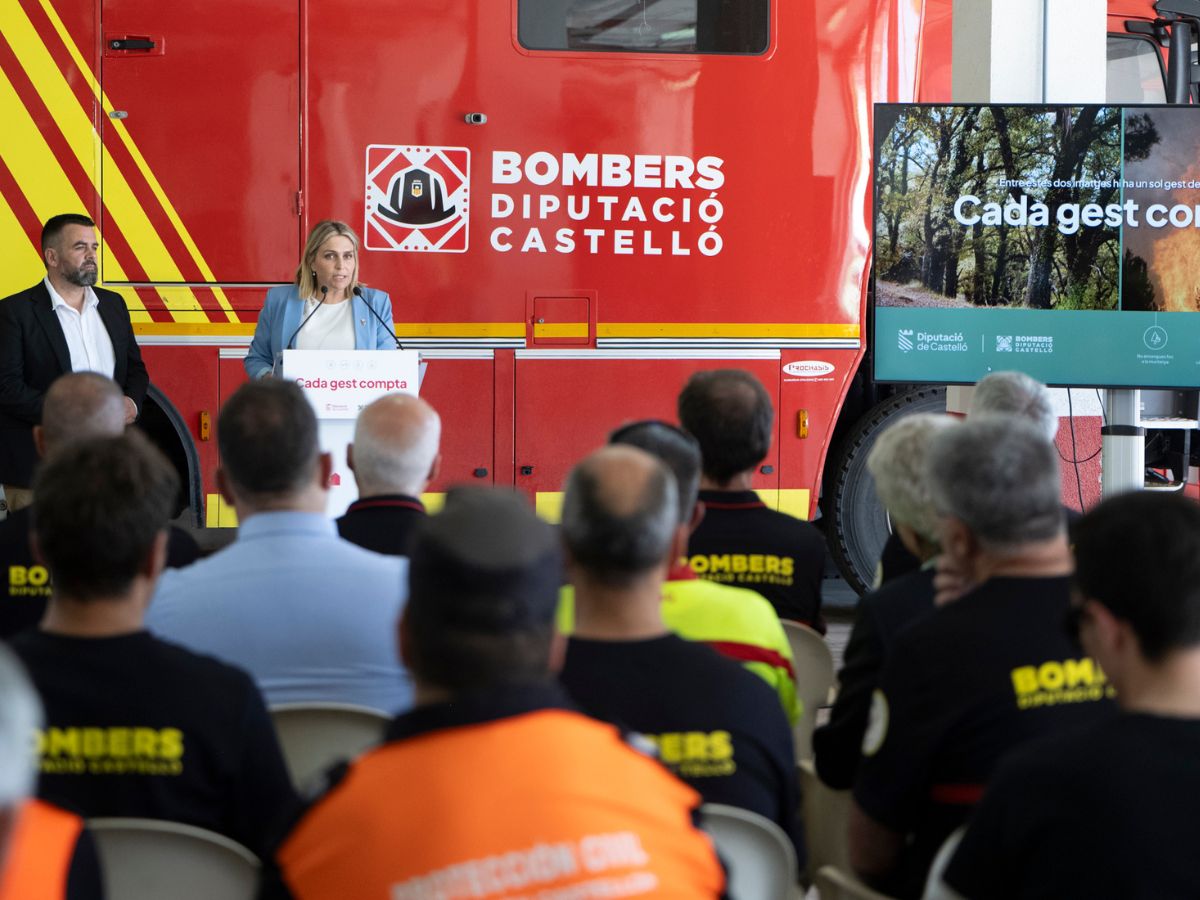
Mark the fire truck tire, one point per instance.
(858, 525)
(162, 423)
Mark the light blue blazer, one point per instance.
(281, 316)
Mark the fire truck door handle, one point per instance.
(131, 44)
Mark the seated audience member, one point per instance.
(77, 405)
(45, 852)
(394, 457)
(897, 465)
(716, 726)
(494, 784)
(740, 541)
(308, 614)
(735, 622)
(1109, 810)
(135, 726)
(997, 394)
(976, 678)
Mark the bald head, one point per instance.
(395, 446)
(619, 514)
(78, 406)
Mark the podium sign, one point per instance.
(338, 384)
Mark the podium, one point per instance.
(338, 384)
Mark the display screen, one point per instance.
(1063, 241)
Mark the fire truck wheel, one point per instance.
(858, 524)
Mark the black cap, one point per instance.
(485, 563)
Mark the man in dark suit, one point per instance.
(62, 324)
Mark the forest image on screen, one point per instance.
(1061, 241)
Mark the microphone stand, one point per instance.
(324, 291)
(378, 318)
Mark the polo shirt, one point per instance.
(136, 726)
(1104, 811)
(716, 726)
(961, 688)
(737, 623)
(504, 792)
(384, 523)
(881, 616)
(742, 542)
(310, 616)
(25, 588)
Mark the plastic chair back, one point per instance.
(758, 854)
(813, 662)
(826, 815)
(151, 859)
(835, 884)
(935, 888)
(315, 736)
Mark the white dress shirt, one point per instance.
(87, 339)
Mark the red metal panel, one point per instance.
(789, 129)
(812, 385)
(565, 408)
(504, 421)
(461, 391)
(214, 109)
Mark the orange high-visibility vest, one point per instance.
(526, 805)
(39, 855)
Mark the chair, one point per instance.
(935, 888)
(835, 884)
(150, 859)
(315, 736)
(826, 816)
(813, 663)
(759, 856)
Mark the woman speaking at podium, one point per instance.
(325, 309)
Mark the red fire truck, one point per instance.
(615, 194)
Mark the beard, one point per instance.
(84, 276)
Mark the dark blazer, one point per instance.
(33, 352)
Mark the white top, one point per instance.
(330, 328)
(88, 342)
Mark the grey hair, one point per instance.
(1015, 394)
(897, 463)
(20, 716)
(617, 546)
(396, 459)
(82, 405)
(1000, 477)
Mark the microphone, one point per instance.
(324, 291)
(388, 325)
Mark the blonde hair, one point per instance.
(306, 282)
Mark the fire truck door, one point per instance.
(206, 114)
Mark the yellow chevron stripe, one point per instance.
(47, 188)
(22, 265)
(139, 160)
(76, 127)
(724, 330)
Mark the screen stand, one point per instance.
(1123, 464)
